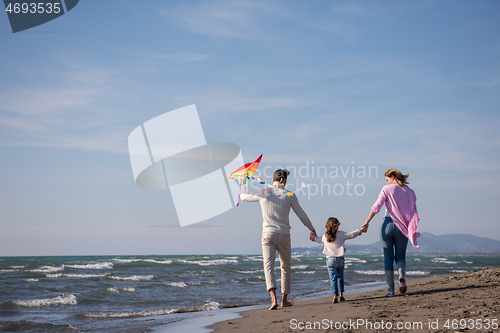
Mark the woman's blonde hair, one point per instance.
(398, 176)
(332, 226)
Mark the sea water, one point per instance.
(141, 293)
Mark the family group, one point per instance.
(400, 224)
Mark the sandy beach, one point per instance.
(453, 303)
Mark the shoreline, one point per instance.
(205, 321)
(429, 305)
(201, 321)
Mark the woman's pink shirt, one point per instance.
(402, 208)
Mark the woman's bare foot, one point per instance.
(274, 306)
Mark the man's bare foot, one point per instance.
(335, 299)
(274, 300)
(288, 303)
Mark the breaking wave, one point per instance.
(132, 278)
(59, 300)
(101, 265)
(147, 313)
(371, 272)
(177, 284)
(57, 275)
(48, 269)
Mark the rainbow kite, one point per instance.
(245, 171)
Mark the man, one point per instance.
(276, 202)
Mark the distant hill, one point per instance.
(429, 243)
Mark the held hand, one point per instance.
(364, 228)
(312, 235)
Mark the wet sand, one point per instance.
(464, 302)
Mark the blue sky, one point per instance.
(412, 85)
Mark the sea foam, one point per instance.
(210, 262)
(132, 278)
(147, 313)
(177, 284)
(154, 261)
(101, 265)
(355, 260)
(57, 275)
(59, 300)
(444, 261)
(418, 272)
(371, 272)
(48, 269)
(137, 314)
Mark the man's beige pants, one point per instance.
(270, 243)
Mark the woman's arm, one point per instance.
(364, 227)
(382, 197)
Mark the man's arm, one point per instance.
(249, 197)
(302, 215)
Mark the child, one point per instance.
(334, 250)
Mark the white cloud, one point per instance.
(448, 141)
(44, 101)
(62, 110)
(231, 102)
(335, 27)
(224, 18)
(181, 57)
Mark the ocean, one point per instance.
(146, 293)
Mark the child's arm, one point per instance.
(352, 234)
(318, 239)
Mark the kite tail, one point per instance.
(239, 192)
(239, 198)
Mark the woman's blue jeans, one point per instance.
(335, 266)
(394, 244)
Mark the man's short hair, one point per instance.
(280, 174)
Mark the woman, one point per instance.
(400, 224)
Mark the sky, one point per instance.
(311, 85)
